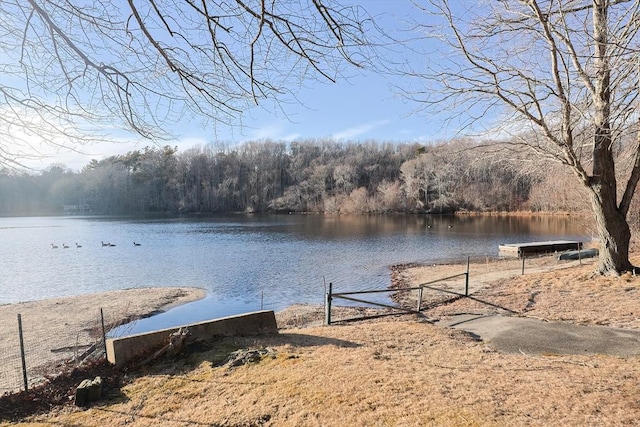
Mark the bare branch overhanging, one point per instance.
(151, 63)
(522, 88)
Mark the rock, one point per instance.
(244, 357)
(88, 391)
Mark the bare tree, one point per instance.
(68, 67)
(561, 77)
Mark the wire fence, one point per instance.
(449, 281)
(34, 349)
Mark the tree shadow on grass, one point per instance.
(132, 415)
(490, 304)
(458, 296)
(216, 351)
(396, 313)
(307, 340)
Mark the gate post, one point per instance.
(420, 298)
(466, 280)
(327, 308)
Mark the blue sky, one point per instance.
(363, 107)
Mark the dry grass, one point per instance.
(549, 290)
(399, 371)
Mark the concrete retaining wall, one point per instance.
(122, 350)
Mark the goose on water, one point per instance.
(64, 246)
(78, 246)
(136, 244)
(53, 246)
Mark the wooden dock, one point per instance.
(534, 248)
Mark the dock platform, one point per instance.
(534, 248)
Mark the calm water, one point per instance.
(245, 262)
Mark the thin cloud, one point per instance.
(265, 132)
(356, 131)
(274, 132)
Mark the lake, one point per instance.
(245, 262)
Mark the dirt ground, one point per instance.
(400, 370)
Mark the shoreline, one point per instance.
(136, 302)
(199, 294)
(192, 294)
(524, 213)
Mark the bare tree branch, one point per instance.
(148, 63)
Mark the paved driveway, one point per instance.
(531, 336)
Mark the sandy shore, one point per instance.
(59, 328)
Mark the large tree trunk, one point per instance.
(613, 228)
(613, 231)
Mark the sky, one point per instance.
(366, 106)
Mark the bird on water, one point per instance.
(53, 246)
(136, 244)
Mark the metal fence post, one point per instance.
(327, 310)
(24, 362)
(466, 280)
(419, 299)
(104, 333)
(523, 258)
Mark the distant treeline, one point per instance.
(303, 176)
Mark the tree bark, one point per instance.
(613, 231)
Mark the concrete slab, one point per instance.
(531, 336)
(121, 350)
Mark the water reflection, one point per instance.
(241, 258)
